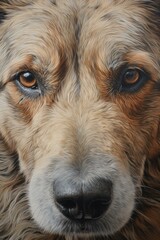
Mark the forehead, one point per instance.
(110, 28)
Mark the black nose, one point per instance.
(90, 202)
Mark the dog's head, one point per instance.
(79, 103)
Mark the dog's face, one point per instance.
(79, 103)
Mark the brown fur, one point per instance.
(78, 47)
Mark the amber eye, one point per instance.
(132, 79)
(131, 76)
(28, 80)
(29, 83)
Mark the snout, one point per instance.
(87, 201)
(96, 197)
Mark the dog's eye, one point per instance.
(28, 83)
(28, 80)
(133, 79)
(131, 76)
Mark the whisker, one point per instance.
(150, 188)
(143, 215)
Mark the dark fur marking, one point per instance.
(153, 18)
(5, 1)
(62, 68)
(2, 15)
(1, 87)
(157, 87)
(54, 2)
(107, 16)
(97, 6)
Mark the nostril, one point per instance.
(98, 207)
(69, 208)
(66, 203)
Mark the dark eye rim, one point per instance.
(135, 87)
(32, 92)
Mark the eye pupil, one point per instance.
(29, 77)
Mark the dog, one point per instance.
(79, 119)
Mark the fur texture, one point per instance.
(78, 120)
